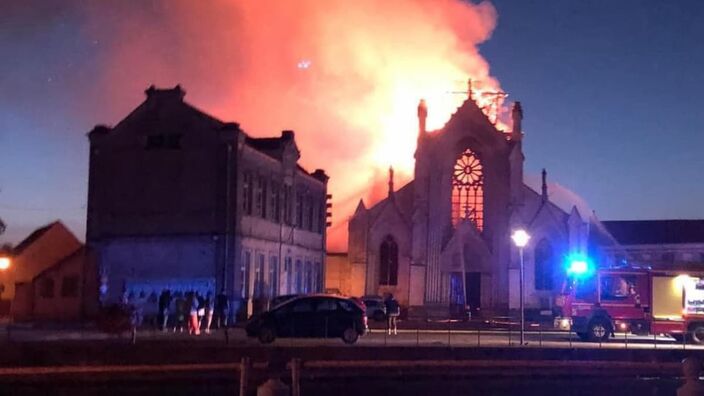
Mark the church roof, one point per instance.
(403, 199)
(652, 232)
(558, 213)
(599, 235)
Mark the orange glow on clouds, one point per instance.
(345, 75)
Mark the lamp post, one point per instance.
(4, 263)
(520, 238)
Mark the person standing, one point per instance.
(181, 310)
(201, 309)
(393, 311)
(164, 304)
(222, 308)
(209, 310)
(193, 314)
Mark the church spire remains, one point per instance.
(517, 116)
(391, 182)
(422, 117)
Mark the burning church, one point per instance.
(443, 239)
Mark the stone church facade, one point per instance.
(442, 241)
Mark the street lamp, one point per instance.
(520, 238)
(5, 263)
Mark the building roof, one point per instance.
(80, 251)
(174, 99)
(270, 146)
(652, 232)
(32, 238)
(403, 199)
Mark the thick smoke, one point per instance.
(346, 75)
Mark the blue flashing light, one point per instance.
(579, 266)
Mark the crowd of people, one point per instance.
(192, 311)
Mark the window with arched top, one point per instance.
(388, 262)
(544, 265)
(468, 189)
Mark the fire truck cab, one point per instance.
(639, 301)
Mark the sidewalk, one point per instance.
(472, 324)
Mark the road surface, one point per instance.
(378, 337)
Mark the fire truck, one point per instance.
(596, 304)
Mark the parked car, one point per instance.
(281, 299)
(314, 316)
(375, 307)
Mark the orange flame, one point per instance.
(346, 75)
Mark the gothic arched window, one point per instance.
(388, 262)
(468, 189)
(544, 265)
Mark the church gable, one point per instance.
(466, 249)
(390, 221)
(469, 127)
(542, 213)
(389, 215)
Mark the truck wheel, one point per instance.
(598, 330)
(697, 333)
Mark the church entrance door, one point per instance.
(458, 307)
(462, 300)
(474, 291)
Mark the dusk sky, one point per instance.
(611, 92)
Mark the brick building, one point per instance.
(66, 291)
(178, 199)
(52, 277)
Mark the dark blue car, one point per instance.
(312, 316)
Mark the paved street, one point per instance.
(495, 338)
(377, 337)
